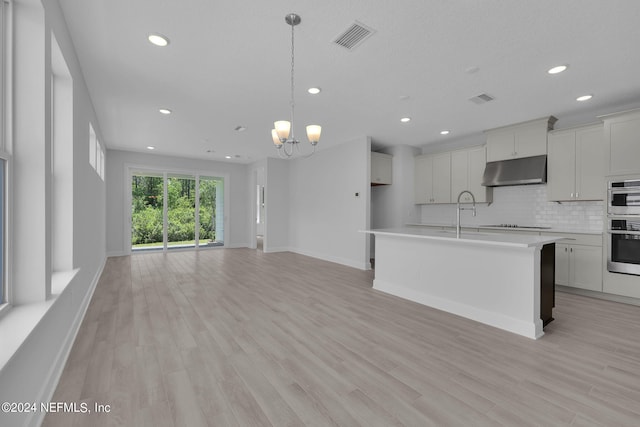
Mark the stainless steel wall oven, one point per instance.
(623, 226)
(624, 197)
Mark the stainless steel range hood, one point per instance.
(526, 170)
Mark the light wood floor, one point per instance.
(235, 337)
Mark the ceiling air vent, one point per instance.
(481, 99)
(354, 35)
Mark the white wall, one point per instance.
(276, 237)
(325, 214)
(31, 374)
(237, 184)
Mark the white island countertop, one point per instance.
(501, 279)
(494, 239)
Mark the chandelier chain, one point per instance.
(292, 101)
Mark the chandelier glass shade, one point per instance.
(283, 133)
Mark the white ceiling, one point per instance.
(228, 64)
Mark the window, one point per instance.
(92, 146)
(2, 233)
(3, 161)
(99, 160)
(96, 153)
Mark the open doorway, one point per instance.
(260, 217)
(259, 209)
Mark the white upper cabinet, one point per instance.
(423, 183)
(622, 142)
(442, 178)
(561, 167)
(575, 164)
(467, 168)
(381, 168)
(520, 140)
(433, 178)
(590, 165)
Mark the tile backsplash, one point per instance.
(523, 205)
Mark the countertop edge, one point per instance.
(530, 242)
(535, 230)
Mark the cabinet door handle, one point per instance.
(577, 195)
(571, 250)
(565, 249)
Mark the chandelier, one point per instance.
(283, 135)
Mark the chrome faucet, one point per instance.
(458, 209)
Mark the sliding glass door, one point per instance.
(171, 211)
(147, 206)
(211, 216)
(181, 211)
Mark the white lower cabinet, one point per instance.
(579, 262)
(578, 258)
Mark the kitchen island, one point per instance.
(502, 280)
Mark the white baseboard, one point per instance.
(338, 260)
(277, 249)
(117, 253)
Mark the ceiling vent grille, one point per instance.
(483, 98)
(354, 35)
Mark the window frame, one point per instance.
(5, 156)
(3, 214)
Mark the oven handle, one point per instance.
(625, 190)
(633, 233)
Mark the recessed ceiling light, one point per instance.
(444, 132)
(158, 39)
(164, 111)
(314, 90)
(584, 98)
(240, 128)
(227, 157)
(405, 119)
(557, 69)
(151, 147)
